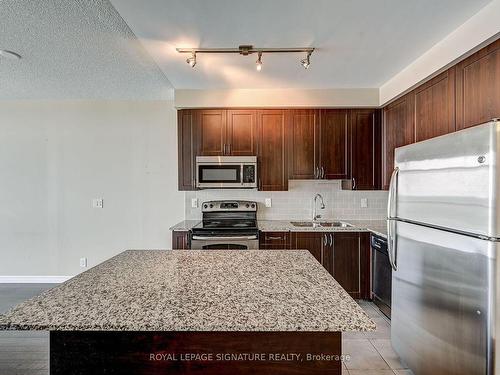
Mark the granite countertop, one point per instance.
(375, 226)
(184, 225)
(190, 290)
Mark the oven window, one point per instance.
(219, 173)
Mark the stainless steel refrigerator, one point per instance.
(443, 235)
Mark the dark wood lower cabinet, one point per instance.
(274, 240)
(345, 255)
(194, 353)
(180, 240)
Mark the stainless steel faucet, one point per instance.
(315, 215)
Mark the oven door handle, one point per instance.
(237, 238)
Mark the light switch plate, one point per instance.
(83, 262)
(364, 202)
(97, 203)
(194, 202)
(269, 202)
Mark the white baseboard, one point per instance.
(33, 279)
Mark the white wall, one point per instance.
(56, 156)
(364, 97)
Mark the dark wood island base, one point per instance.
(127, 352)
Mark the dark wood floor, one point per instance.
(22, 353)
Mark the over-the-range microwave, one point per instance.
(226, 172)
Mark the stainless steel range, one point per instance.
(226, 225)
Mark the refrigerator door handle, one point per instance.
(392, 199)
(391, 244)
(391, 214)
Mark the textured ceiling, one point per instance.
(361, 43)
(74, 49)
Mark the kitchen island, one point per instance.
(147, 312)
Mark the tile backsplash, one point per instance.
(297, 202)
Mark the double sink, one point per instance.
(320, 224)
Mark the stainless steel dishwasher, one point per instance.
(381, 274)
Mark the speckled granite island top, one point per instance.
(168, 290)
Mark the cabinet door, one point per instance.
(180, 240)
(303, 137)
(478, 87)
(435, 107)
(241, 132)
(272, 150)
(274, 240)
(398, 130)
(346, 261)
(366, 151)
(212, 131)
(186, 137)
(312, 241)
(333, 144)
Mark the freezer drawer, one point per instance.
(443, 301)
(451, 181)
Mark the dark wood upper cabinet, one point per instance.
(366, 149)
(241, 133)
(272, 150)
(478, 87)
(212, 131)
(398, 130)
(319, 144)
(186, 137)
(333, 144)
(303, 144)
(435, 107)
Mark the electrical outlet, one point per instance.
(269, 202)
(194, 202)
(83, 262)
(364, 202)
(97, 203)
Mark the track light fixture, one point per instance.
(259, 62)
(192, 60)
(307, 61)
(246, 50)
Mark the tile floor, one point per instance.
(370, 353)
(26, 353)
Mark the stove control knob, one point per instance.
(253, 205)
(247, 205)
(205, 205)
(211, 205)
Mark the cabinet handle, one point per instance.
(274, 238)
(325, 240)
(331, 239)
(316, 173)
(353, 183)
(224, 149)
(322, 172)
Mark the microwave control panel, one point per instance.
(248, 174)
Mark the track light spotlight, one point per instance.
(192, 60)
(259, 62)
(307, 61)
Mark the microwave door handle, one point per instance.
(241, 174)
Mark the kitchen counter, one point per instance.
(189, 290)
(184, 225)
(375, 226)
